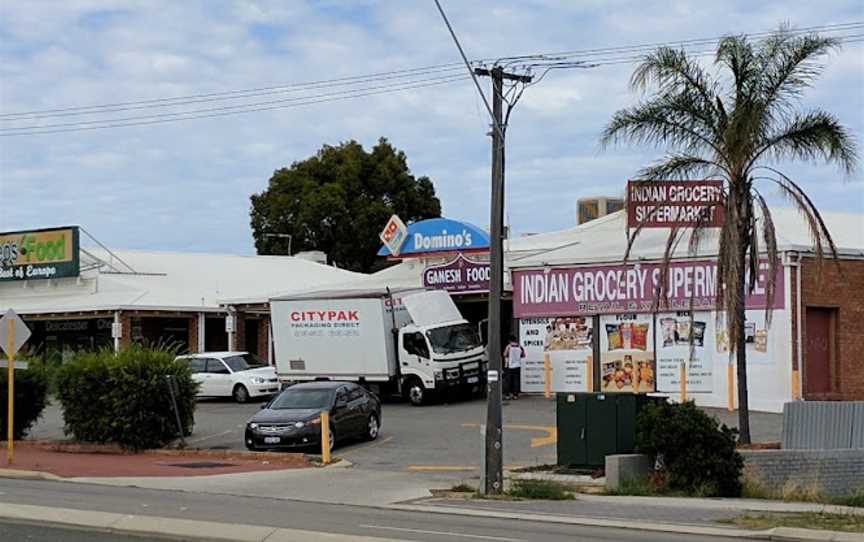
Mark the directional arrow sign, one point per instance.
(18, 330)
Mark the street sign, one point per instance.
(15, 364)
(18, 331)
(13, 334)
(394, 234)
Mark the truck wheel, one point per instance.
(415, 392)
(240, 393)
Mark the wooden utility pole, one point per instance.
(494, 451)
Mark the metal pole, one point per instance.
(171, 385)
(10, 389)
(494, 483)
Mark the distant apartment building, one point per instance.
(590, 208)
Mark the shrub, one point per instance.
(124, 398)
(31, 397)
(698, 454)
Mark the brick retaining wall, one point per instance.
(831, 473)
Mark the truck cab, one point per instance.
(439, 352)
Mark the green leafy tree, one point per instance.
(338, 201)
(736, 125)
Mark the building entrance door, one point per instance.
(818, 351)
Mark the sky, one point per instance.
(185, 186)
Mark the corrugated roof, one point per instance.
(168, 281)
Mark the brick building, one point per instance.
(809, 349)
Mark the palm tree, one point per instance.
(735, 124)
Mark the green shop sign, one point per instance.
(39, 254)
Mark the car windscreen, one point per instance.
(455, 338)
(289, 399)
(244, 362)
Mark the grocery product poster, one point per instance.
(627, 353)
(756, 336)
(682, 339)
(568, 343)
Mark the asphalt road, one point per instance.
(16, 532)
(442, 437)
(341, 519)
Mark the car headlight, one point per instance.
(258, 380)
(299, 425)
(314, 421)
(253, 425)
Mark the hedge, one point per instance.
(31, 397)
(124, 398)
(697, 454)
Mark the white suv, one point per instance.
(240, 375)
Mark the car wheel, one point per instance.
(240, 393)
(372, 427)
(415, 392)
(332, 440)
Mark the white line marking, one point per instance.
(444, 533)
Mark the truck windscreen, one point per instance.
(451, 339)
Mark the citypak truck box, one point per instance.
(411, 342)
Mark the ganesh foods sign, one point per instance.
(459, 275)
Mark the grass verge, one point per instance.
(805, 520)
(540, 490)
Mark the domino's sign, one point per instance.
(440, 235)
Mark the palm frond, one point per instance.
(656, 123)
(789, 66)
(810, 136)
(680, 166)
(736, 53)
(769, 235)
(819, 232)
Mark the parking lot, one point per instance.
(435, 438)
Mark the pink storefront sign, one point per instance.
(613, 289)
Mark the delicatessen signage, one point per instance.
(566, 345)
(674, 204)
(458, 275)
(39, 254)
(627, 288)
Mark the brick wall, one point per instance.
(239, 331)
(193, 334)
(841, 288)
(126, 329)
(263, 326)
(830, 473)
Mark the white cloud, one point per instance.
(186, 185)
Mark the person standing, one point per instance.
(513, 355)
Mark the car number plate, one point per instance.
(271, 440)
(472, 379)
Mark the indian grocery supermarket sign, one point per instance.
(629, 288)
(459, 275)
(39, 254)
(674, 204)
(439, 235)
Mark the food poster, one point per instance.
(756, 336)
(532, 337)
(568, 344)
(688, 340)
(627, 353)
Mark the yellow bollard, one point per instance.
(547, 376)
(325, 437)
(730, 389)
(796, 388)
(683, 378)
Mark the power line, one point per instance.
(385, 75)
(400, 80)
(235, 108)
(226, 113)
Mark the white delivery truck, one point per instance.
(411, 342)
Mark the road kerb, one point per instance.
(174, 528)
(591, 522)
(28, 475)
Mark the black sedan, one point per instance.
(292, 420)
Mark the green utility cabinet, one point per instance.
(594, 425)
